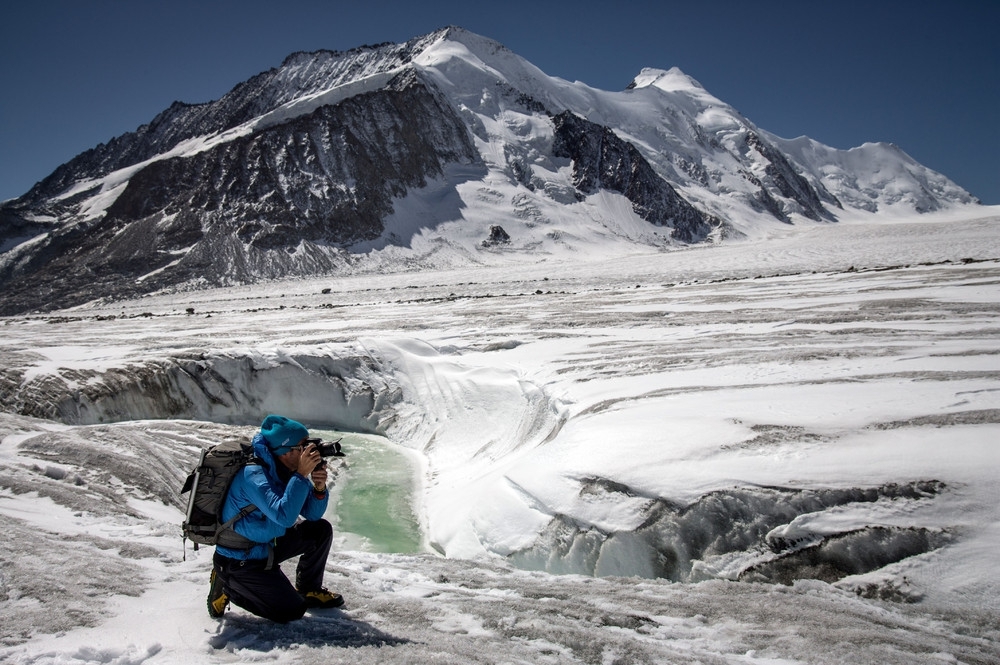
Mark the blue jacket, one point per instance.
(278, 505)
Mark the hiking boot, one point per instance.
(322, 598)
(218, 601)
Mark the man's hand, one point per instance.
(308, 461)
(319, 478)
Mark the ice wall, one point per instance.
(236, 387)
(748, 533)
(469, 423)
(471, 426)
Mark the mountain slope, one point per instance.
(874, 177)
(398, 156)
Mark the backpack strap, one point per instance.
(237, 517)
(235, 540)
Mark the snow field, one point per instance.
(757, 411)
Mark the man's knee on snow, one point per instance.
(287, 614)
(318, 530)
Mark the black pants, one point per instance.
(266, 591)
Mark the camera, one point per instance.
(326, 448)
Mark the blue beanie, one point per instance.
(282, 434)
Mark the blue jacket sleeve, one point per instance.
(282, 509)
(315, 508)
(276, 512)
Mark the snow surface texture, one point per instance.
(767, 452)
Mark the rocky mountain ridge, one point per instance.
(329, 161)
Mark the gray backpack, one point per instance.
(209, 483)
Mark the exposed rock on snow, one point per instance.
(277, 202)
(497, 237)
(602, 161)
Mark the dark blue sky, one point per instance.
(922, 74)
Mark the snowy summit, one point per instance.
(397, 156)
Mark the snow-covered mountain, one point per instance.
(446, 150)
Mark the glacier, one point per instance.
(776, 450)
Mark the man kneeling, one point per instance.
(289, 482)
